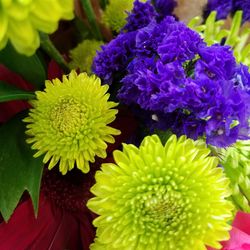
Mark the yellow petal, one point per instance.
(18, 12)
(23, 36)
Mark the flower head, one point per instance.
(21, 21)
(166, 69)
(68, 122)
(170, 196)
(82, 56)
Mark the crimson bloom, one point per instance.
(240, 233)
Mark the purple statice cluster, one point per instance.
(243, 5)
(183, 85)
(225, 7)
(165, 7)
(141, 16)
(114, 57)
(112, 61)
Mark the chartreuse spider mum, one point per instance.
(236, 162)
(22, 20)
(116, 13)
(68, 122)
(82, 56)
(213, 32)
(161, 197)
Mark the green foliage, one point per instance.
(236, 163)
(213, 32)
(9, 93)
(19, 171)
(30, 68)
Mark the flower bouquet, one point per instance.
(122, 127)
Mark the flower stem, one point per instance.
(52, 51)
(86, 4)
(104, 3)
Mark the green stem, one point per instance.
(52, 51)
(103, 3)
(91, 17)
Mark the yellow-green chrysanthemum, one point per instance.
(68, 122)
(162, 197)
(82, 56)
(236, 162)
(21, 20)
(115, 13)
(213, 32)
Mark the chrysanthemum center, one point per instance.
(159, 209)
(68, 116)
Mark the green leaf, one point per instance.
(30, 68)
(19, 170)
(9, 93)
(233, 36)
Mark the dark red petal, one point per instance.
(54, 71)
(127, 124)
(53, 229)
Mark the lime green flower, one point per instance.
(236, 162)
(82, 56)
(213, 32)
(21, 21)
(115, 13)
(162, 197)
(68, 122)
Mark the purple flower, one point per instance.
(243, 5)
(217, 62)
(168, 72)
(141, 15)
(179, 42)
(171, 40)
(165, 7)
(223, 8)
(137, 87)
(242, 77)
(114, 57)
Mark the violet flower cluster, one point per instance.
(115, 56)
(224, 8)
(168, 72)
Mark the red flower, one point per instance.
(240, 233)
(54, 228)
